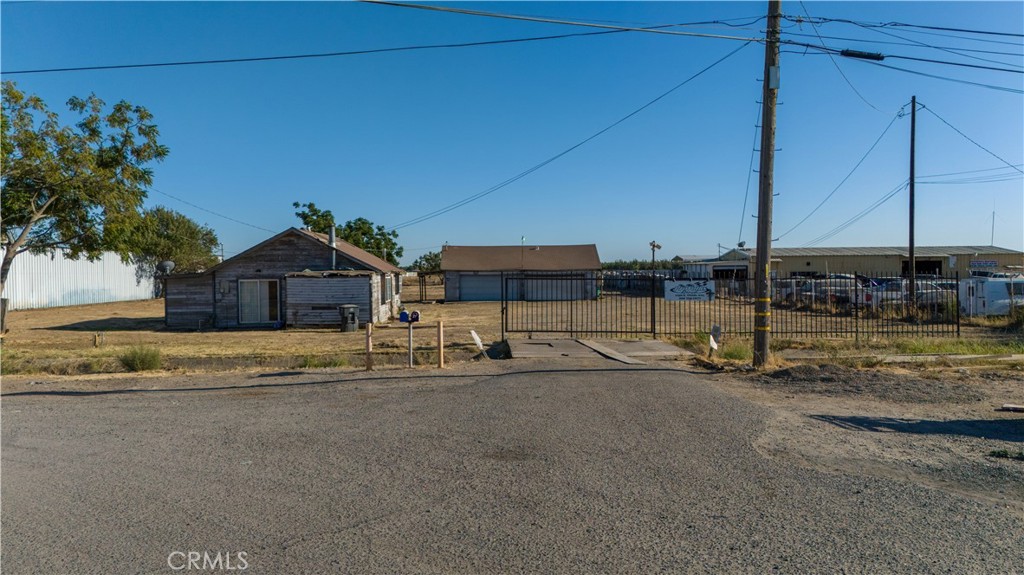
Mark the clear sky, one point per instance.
(397, 135)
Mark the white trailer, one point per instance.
(991, 295)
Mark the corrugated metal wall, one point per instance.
(39, 281)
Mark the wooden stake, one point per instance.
(369, 346)
(440, 344)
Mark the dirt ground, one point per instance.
(936, 424)
(937, 427)
(89, 338)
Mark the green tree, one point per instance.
(77, 188)
(359, 232)
(428, 262)
(165, 234)
(314, 218)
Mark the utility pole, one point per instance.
(654, 329)
(912, 263)
(769, 95)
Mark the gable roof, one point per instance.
(352, 252)
(348, 250)
(533, 258)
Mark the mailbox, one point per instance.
(403, 317)
(414, 317)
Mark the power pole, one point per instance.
(912, 263)
(769, 95)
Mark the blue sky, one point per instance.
(393, 136)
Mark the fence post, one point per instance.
(856, 308)
(440, 344)
(504, 307)
(369, 346)
(956, 303)
(654, 320)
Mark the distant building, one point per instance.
(473, 273)
(296, 278)
(40, 281)
(871, 261)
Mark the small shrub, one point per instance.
(736, 351)
(1004, 454)
(141, 358)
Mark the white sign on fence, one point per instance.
(690, 290)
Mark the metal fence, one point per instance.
(632, 303)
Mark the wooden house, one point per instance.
(296, 278)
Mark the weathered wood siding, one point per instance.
(188, 302)
(315, 301)
(286, 254)
(289, 253)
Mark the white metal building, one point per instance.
(39, 281)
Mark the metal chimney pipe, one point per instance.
(334, 252)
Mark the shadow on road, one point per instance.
(273, 385)
(999, 429)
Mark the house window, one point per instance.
(385, 288)
(258, 301)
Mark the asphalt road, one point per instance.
(507, 467)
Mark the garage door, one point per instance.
(479, 288)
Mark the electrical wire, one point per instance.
(536, 167)
(909, 42)
(319, 55)
(904, 25)
(969, 171)
(836, 189)
(750, 172)
(836, 64)
(966, 137)
(877, 30)
(875, 205)
(974, 181)
(946, 78)
(211, 211)
(948, 63)
(555, 21)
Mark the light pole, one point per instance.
(654, 246)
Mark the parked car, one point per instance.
(896, 292)
(837, 291)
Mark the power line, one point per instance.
(318, 55)
(990, 152)
(836, 64)
(836, 189)
(946, 78)
(961, 64)
(536, 167)
(925, 45)
(908, 42)
(211, 211)
(556, 21)
(875, 205)
(904, 25)
(750, 171)
(970, 171)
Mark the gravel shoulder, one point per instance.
(936, 428)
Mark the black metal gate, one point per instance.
(633, 303)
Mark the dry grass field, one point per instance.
(91, 338)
